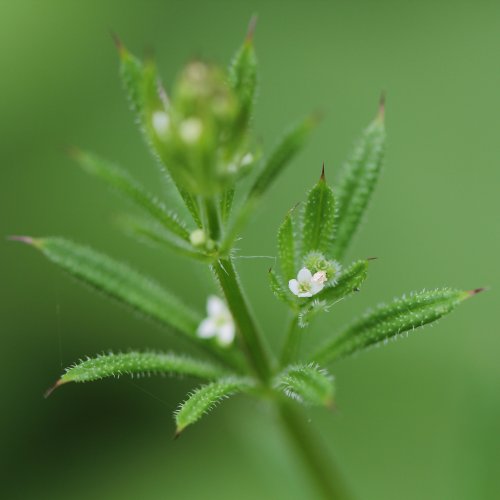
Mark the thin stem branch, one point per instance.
(252, 340)
(293, 339)
(321, 468)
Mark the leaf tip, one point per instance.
(178, 432)
(251, 29)
(471, 293)
(118, 43)
(381, 107)
(322, 177)
(371, 258)
(27, 240)
(52, 388)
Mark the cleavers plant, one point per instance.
(201, 136)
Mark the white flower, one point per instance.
(307, 285)
(161, 122)
(190, 130)
(219, 323)
(198, 237)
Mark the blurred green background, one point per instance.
(417, 419)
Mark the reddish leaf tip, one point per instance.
(51, 389)
(251, 29)
(381, 106)
(471, 293)
(372, 258)
(322, 178)
(177, 433)
(118, 43)
(28, 240)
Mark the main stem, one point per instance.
(293, 339)
(327, 478)
(253, 343)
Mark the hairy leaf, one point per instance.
(279, 289)
(149, 232)
(286, 248)
(243, 74)
(205, 398)
(130, 363)
(289, 145)
(126, 185)
(308, 384)
(120, 282)
(348, 282)
(388, 321)
(318, 219)
(358, 179)
(226, 204)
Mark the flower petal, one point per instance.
(294, 286)
(207, 328)
(316, 287)
(216, 306)
(305, 294)
(304, 275)
(225, 334)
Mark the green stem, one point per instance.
(321, 468)
(251, 338)
(293, 339)
(212, 218)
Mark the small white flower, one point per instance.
(307, 285)
(190, 130)
(219, 323)
(161, 122)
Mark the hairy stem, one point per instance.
(252, 340)
(321, 468)
(291, 346)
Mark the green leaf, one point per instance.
(286, 247)
(205, 398)
(149, 232)
(243, 74)
(308, 384)
(138, 363)
(289, 145)
(146, 96)
(226, 204)
(122, 182)
(279, 289)
(348, 282)
(318, 219)
(120, 282)
(388, 321)
(359, 176)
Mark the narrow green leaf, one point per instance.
(359, 176)
(149, 232)
(142, 86)
(243, 74)
(205, 398)
(388, 321)
(286, 248)
(120, 282)
(318, 219)
(138, 363)
(349, 281)
(226, 204)
(308, 384)
(123, 182)
(279, 289)
(289, 145)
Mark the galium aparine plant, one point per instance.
(201, 135)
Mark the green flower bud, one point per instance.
(317, 262)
